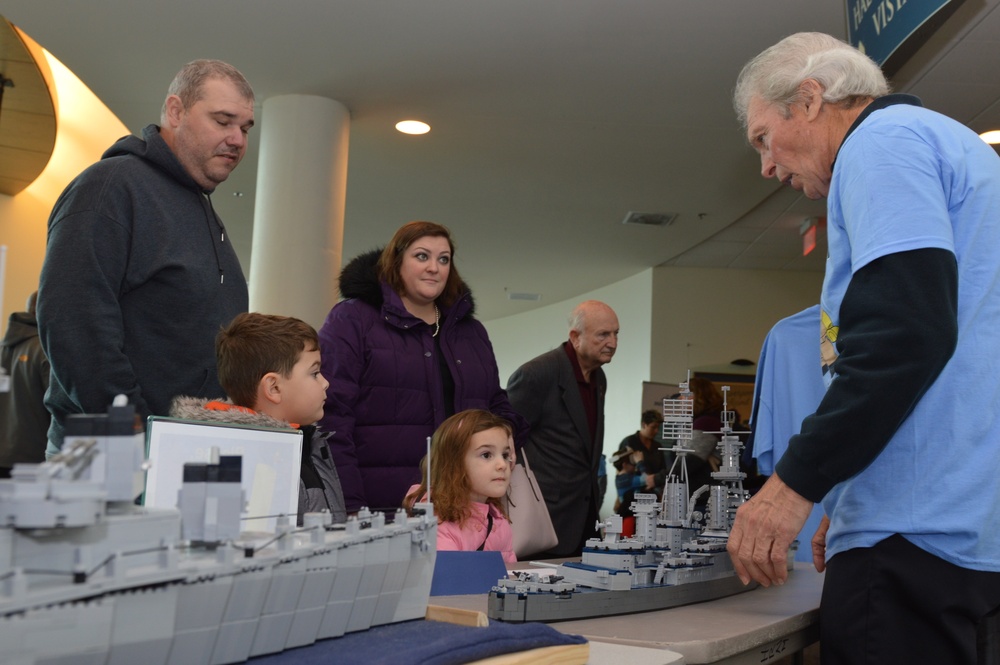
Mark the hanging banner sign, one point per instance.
(890, 31)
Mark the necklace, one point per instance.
(437, 322)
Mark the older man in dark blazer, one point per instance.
(561, 395)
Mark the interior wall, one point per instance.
(519, 338)
(709, 317)
(85, 129)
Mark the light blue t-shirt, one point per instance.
(909, 178)
(789, 386)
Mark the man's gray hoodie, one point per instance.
(139, 277)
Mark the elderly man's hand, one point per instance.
(764, 528)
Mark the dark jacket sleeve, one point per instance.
(342, 348)
(898, 329)
(524, 393)
(501, 406)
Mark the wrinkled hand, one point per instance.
(765, 526)
(650, 481)
(819, 545)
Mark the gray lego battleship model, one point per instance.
(676, 557)
(87, 576)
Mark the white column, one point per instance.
(298, 224)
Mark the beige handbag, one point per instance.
(529, 516)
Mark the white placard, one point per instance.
(271, 465)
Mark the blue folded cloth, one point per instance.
(423, 642)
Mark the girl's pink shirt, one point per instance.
(467, 538)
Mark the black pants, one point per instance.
(896, 603)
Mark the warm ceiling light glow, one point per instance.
(413, 127)
(992, 137)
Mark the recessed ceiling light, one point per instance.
(992, 137)
(413, 127)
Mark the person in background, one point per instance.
(472, 456)
(139, 274)
(561, 395)
(655, 464)
(902, 450)
(631, 474)
(630, 479)
(708, 405)
(403, 352)
(706, 432)
(269, 368)
(24, 378)
(602, 480)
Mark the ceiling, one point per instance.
(552, 119)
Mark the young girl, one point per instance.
(472, 456)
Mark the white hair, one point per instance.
(576, 318)
(846, 75)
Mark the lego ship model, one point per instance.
(87, 576)
(676, 557)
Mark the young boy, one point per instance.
(631, 475)
(269, 367)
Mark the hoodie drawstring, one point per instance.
(222, 237)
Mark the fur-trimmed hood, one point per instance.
(359, 279)
(319, 483)
(193, 408)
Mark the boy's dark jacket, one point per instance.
(319, 484)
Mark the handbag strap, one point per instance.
(524, 458)
(530, 477)
(489, 527)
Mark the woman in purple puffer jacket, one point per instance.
(402, 352)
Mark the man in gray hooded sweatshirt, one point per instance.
(139, 274)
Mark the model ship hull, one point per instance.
(611, 580)
(586, 603)
(189, 606)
